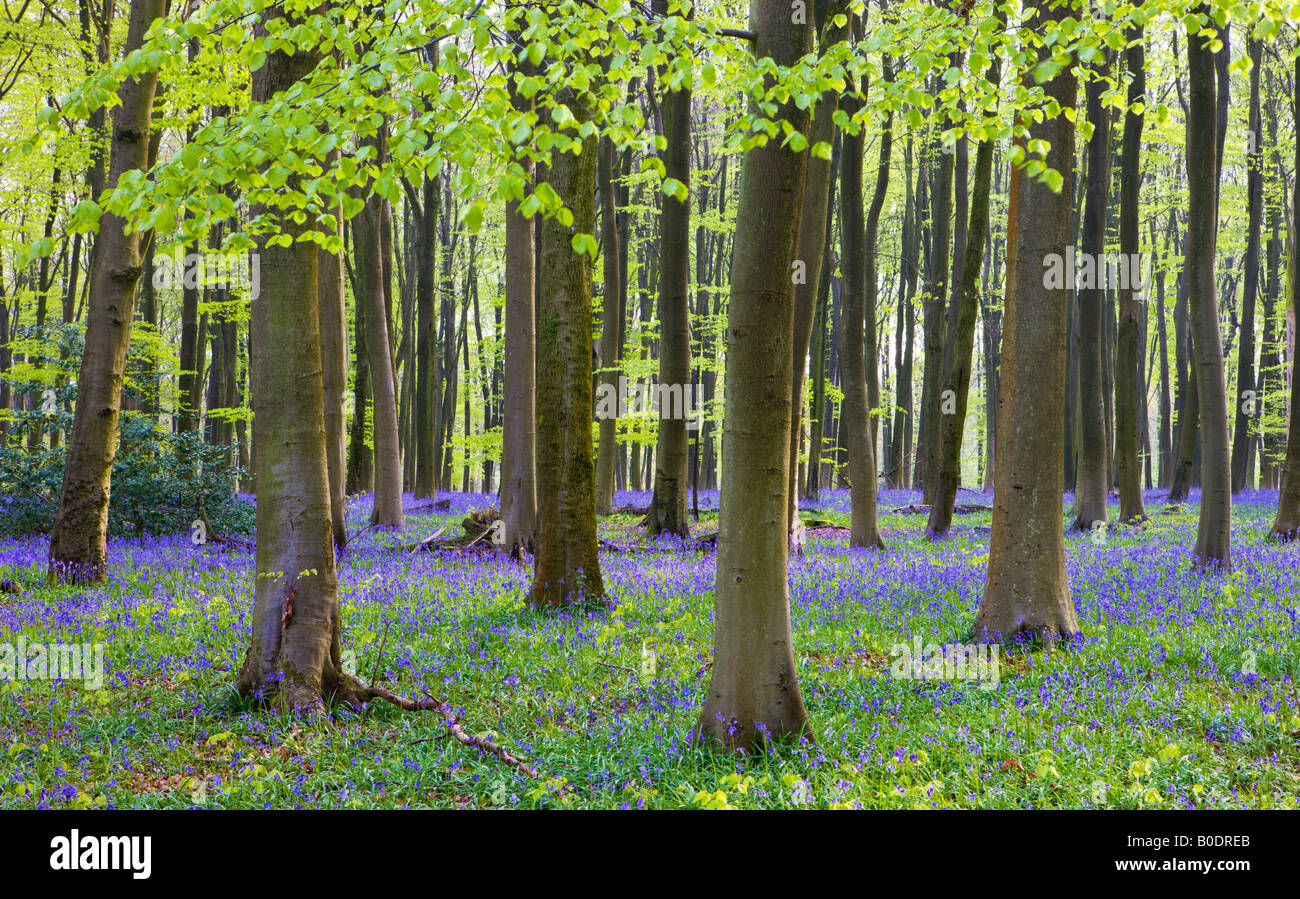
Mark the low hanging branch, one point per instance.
(432, 704)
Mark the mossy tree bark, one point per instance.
(566, 569)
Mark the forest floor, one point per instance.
(1183, 692)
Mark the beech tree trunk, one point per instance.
(611, 333)
(1214, 532)
(1092, 479)
(813, 235)
(1286, 526)
(1247, 400)
(855, 407)
(78, 541)
(334, 379)
(668, 504)
(519, 397)
(1130, 387)
(373, 299)
(952, 426)
(293, 659)
(566, 570)
(753, 694)
(1027, 591)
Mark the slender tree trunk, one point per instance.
(941, 176)
(668, 504)
(333, 316)
(78, 542)
(962, 340)
(811, 257)
(610, 327)
(373, 298)
(753, 694)
(855, 407)
(1247, 402)
(519, 397)
(1130, 389)
(1027, 591)
(1286, 526)
(1214, 533)
(426, 339)
(1092, 480)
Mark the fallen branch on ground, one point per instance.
(432, 704)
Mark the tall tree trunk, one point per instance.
(935, 319)
(668, 504)
(1286, 526)
(1247, 402)
(519, 397)
(1130, 388)
(78, 542)
(611, 319)
(1093, 479)
(855, 407)
(373, 298)
(753, 694)
(426, 339)
(1214, 532)
(566, 570)
(294, 657)
(333, 315)
(813, 234)
(1027, 591)
(962, 340)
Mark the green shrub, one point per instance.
(161, 481)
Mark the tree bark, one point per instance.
(611, 336)
(78, 542)
(1027, 590)
(1286, 526)
(1092, 479)
(519, 397)
(1214, 532)
(566, 569)
(1247, 402)
(668, 504)
(1130, 389)
(855, 407)
(294, 658)
(753, 696)
(952, 426)
(387, 511)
